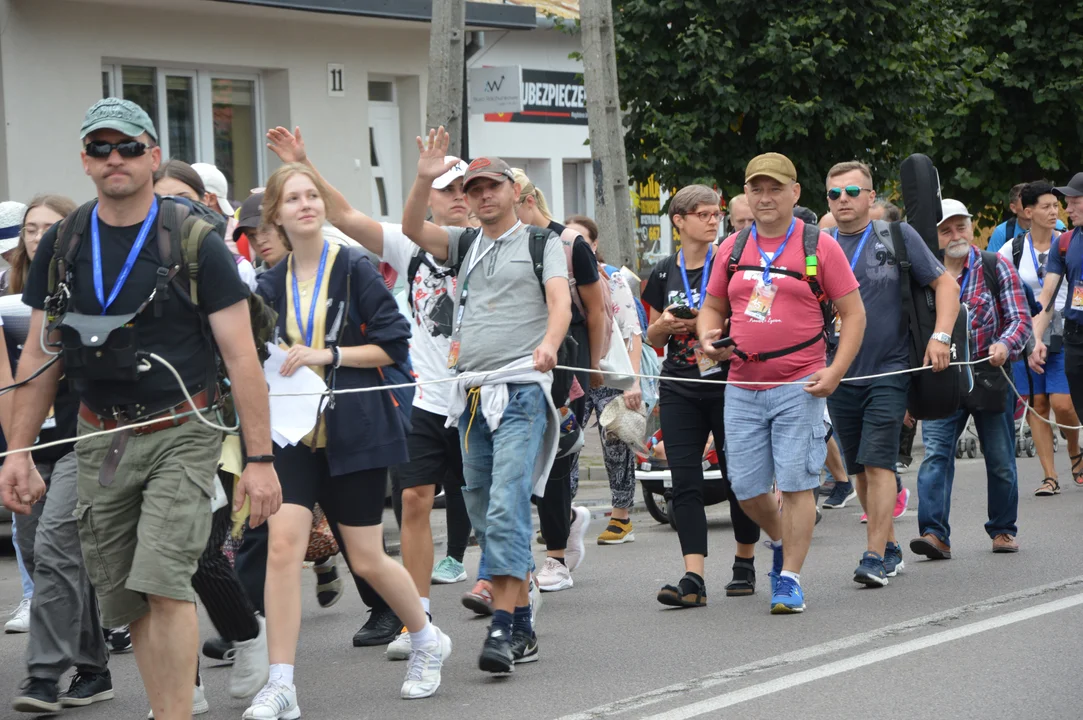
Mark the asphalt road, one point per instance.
(980, 636)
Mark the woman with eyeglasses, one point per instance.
(691, 412)
(1047, 390)
(42, 213)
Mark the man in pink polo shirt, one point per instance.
(772, 314)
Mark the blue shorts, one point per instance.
(1052, 382)
(774, 435)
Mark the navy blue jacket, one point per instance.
(365, 430)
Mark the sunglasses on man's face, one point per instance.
(128, 149)
(851, 190)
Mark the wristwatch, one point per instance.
(942, 337)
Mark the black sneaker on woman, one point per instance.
(88, 688)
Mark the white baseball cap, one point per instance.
(451, 175)
(12, 214)
(215, 182)
(952, 208)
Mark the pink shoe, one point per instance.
(901, 501)
(864, 518)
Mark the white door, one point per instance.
(384, 158)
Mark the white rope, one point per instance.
(1030, 408)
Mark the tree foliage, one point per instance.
(1009, 106)
(708, 84)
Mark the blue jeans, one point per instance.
(499, 472)
(937, 472)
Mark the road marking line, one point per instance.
(672, 692)
(869, 658)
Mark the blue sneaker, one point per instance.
(843, 493)
(871, 571)
(893, 559)
(776, 565)
(787, 597)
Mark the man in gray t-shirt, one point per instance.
(868, 415)
(505, 315)
(501, 315)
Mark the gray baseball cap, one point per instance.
(124, 116)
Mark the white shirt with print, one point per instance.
(433, 307)
(1028, 273)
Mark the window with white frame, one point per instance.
(201, 116)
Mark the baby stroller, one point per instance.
(652, 473)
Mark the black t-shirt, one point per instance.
(177, 335)
(666, 288)
(584, 266)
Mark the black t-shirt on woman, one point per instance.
(666, 288)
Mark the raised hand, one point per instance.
(431, 164)
(289, 147)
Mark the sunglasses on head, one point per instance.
(851, 190)
(127, 149)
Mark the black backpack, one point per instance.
(810, 240)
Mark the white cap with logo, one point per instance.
(952, 208)
(215, 182)
(451, 175)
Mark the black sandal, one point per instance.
(744, 579)
(1048, 487)
(1077, 475)
(673, 596)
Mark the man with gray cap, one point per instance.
(144, 508)
(1000, 326)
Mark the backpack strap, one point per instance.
(810, 240)
(989, 272)
(738, 249)
(1009, 229)
(1017, 250)
(71, 231)
(539, 238)
(416, 261)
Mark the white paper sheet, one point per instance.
(292, 416)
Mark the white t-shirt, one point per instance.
(1028, 273)
(433, 308)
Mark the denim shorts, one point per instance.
(1052, 382)
(774, 435)
(868, 421)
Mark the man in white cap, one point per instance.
(217, 189)
(1000, 327)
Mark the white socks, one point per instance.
(424, 636)
(796, 577)
(425, 606)
(282, 673)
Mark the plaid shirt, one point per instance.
(1005, 319)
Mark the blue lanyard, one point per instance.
(769, 260)
(860, 245)
(307, 336)
(966, 273)
(702, 280)
(96, 255)
(1037, 268)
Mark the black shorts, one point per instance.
(868, 421)
(435, 455)
(355, 499)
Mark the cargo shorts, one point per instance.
(143, 534)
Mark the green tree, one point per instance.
(1009, 107)
(708, 84)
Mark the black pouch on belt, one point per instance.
(99, 347)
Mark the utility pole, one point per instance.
(613, 204)
(446, 60)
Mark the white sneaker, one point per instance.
(554, 576)
(577, 546)
(276, 701)
(400, 648)
(200, 706)
(20, 618)
(423, 675)
(251, 666)
(535, 601)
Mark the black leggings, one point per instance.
(555, 509)
(686, 423)
(458, 521)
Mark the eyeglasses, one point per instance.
(128, 149)
(851, 190)
(706, 215)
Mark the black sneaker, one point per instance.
(382, 627)
(219, 649)
(524, 647)
(119, 639)
(88, 688)
(37, 695)
(496, 653)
